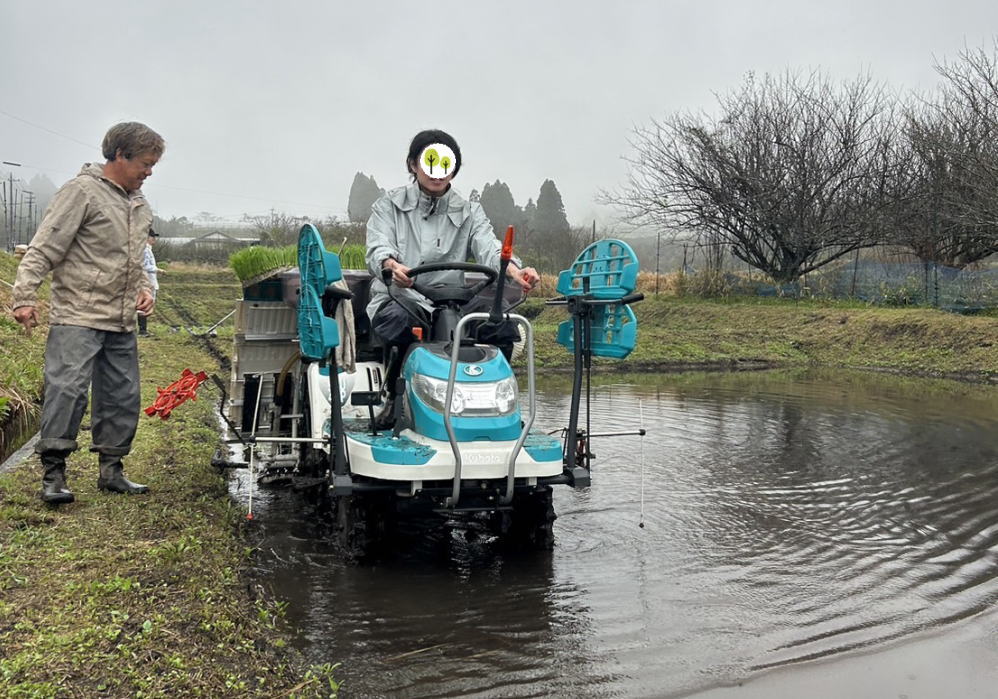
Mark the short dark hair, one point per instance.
(132, 139)
(425, 138)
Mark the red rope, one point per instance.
(176, 393)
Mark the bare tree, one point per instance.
(277, 228)
(943, 216)
(793, 175)
(953, 208)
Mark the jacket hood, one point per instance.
(96, 170)
(93, 170)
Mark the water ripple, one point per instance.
(787, 517)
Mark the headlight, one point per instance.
(469, 399)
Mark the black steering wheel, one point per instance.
(446, 294)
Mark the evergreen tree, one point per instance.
(550, 244)
(499, 206)
(474, 197)
(549, 216)
(530, 216)
(44, 190)
(363, 193)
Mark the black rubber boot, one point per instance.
(112, 478)
(385, 419)
(54, 490)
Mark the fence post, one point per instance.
(658, 250)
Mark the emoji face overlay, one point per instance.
(437, 161)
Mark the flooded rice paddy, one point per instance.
(787, 517)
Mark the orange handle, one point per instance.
(507, 245)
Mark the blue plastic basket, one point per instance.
(614, 332)
(607, 269)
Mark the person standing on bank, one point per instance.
(425, 222)
(92, 239)
(152, 271)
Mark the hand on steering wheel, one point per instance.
(400, 273)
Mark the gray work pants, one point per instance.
(77, 358)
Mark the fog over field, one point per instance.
(272, 105)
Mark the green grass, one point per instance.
(195, 297)
(143, 595)
(677, 332)
(20, 363)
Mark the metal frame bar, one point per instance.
(455, 496)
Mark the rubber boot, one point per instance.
(54, 490)
(112, 478)
(385, 419)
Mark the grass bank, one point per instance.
(683, 333)
(20, 366)
(142, 596)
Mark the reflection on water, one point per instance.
(788, 516)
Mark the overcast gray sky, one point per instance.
(277, 104)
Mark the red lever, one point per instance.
(507, 245)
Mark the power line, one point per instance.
(42, 128)
(178, 189)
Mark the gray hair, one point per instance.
(132, 139)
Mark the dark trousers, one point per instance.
(76, 360)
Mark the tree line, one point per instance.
(794, 171)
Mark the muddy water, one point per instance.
(787, 517)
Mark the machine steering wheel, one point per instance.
(446, 294)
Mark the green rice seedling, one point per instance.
(352, 257)
(257, 261)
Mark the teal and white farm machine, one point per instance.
(308, 376)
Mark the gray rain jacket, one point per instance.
(416, 229)
(93, 240)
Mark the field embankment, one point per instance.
(143, 595)
(682, 333)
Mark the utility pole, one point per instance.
(3, 203)
(29, 219)
(18, 223)
(8, 202)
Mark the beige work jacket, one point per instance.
(93, 240)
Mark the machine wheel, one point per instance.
(312, 463)
(531, 521)
(364, 522)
